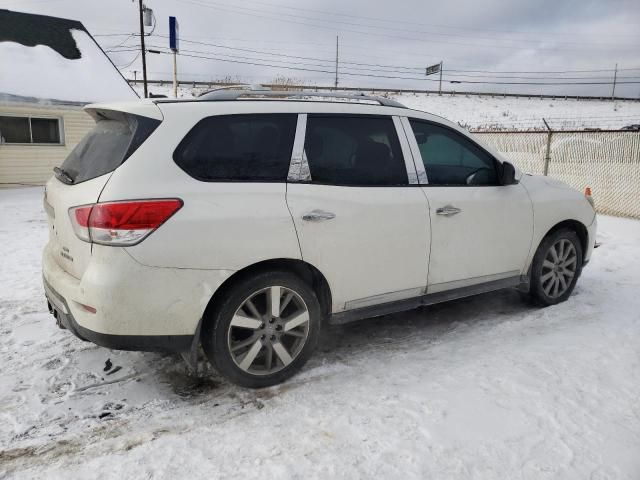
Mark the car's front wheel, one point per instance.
(264, 330)
(556, 267)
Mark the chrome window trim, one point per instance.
(415, 152)
(299, 165)
(409, 163)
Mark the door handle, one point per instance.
(318, 216)
(448, 210)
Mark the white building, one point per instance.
(51, 67)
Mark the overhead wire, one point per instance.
(298, 19)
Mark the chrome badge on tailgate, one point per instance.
(64, 252)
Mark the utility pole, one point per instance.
(615, 75)
(175, 74)
(135, 77)
(336, 84)
(440, 84)
(144, 58)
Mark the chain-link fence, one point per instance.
(607, 161)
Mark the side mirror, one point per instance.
(508, 176)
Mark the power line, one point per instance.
(121, 50)
(279, 17)
(548, 71)
(388, 20)
(541, 83)
(258, 59)
(382, 20)
(119, 44)
(235, 59)
(111, 34)
(386, 67)
(455, 78)
(459, 72)
(130, 63)
(535, 78)
(300, 68)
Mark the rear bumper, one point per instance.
(59, 308)
(135, 307)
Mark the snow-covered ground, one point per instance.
(487, 387)
(496, 112)
(518, 113)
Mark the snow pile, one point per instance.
(43, 73)
(495, 112)
(482, 388)
(521, 113)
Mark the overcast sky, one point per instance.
(378, 39)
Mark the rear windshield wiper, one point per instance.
(63, 175)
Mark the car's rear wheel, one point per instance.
(556, 267)
(264, 330)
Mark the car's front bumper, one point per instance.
(591, 240)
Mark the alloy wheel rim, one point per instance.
(268, 331)
(559, 268)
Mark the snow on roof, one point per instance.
(55, 59)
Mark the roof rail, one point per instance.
(230, 93)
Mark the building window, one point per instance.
(36, 130)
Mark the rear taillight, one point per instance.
(121, 223)
(80, 221)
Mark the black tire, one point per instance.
(541, 293)
(217, 336)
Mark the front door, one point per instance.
(358, 219)
(481, 231)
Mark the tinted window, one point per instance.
(29, 130)
(348, 150)
(14, 130)
(45, 130)
(242, 148)
(109, 143)
(451, 159)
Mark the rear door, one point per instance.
(360, 217)
(230, 169)
(481, 231)
(82, 176)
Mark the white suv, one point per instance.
(243, 221)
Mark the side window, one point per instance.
(240, 148)
(451, 159)
(354, 150)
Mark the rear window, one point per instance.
(110, 142)
(239, 148)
